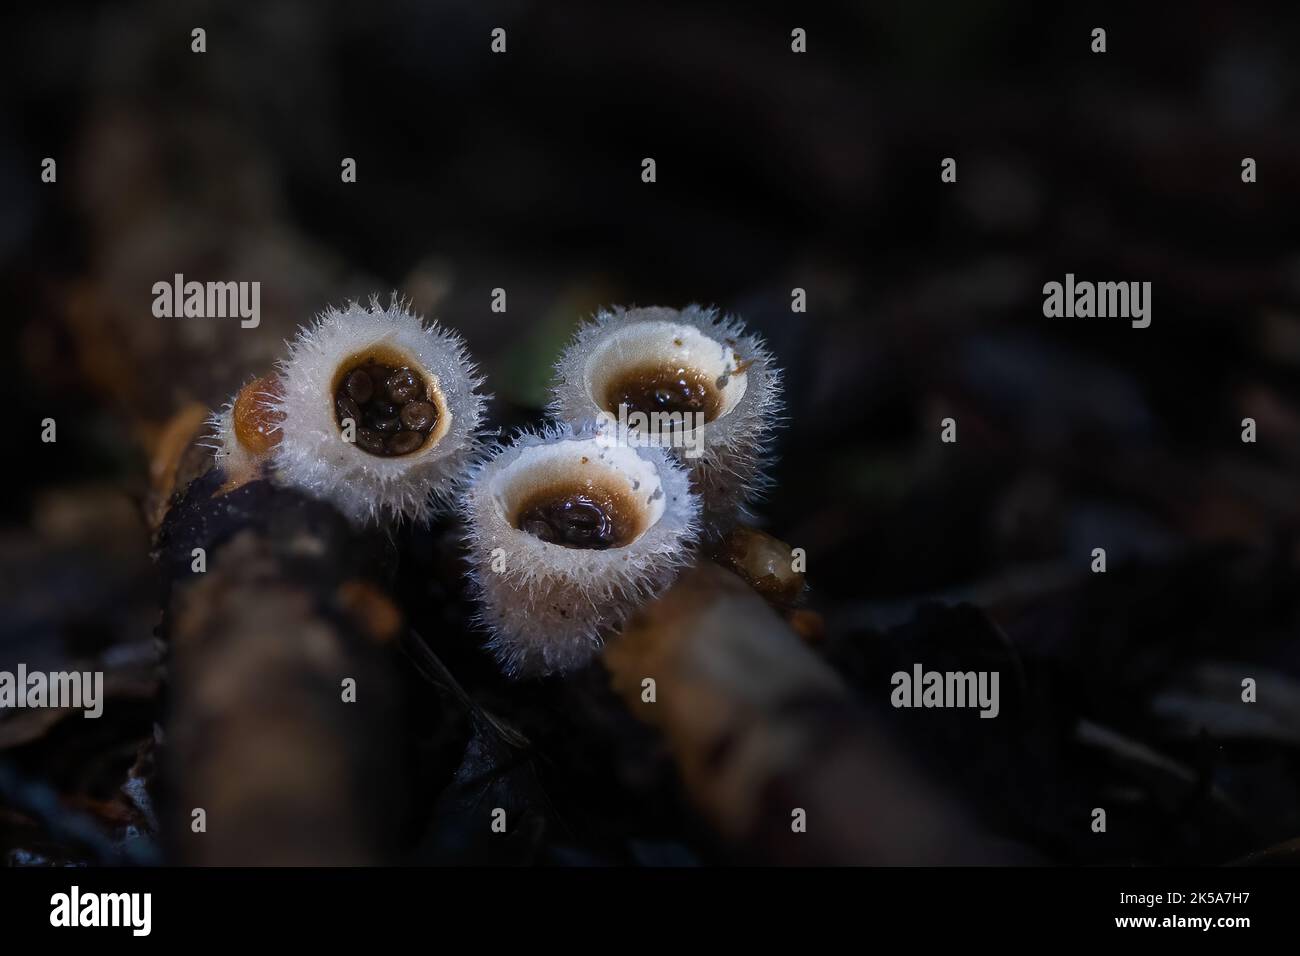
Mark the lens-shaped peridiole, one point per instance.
(670, 387)
(665, 369)
(580, 494)
(393, 406)
(580, 514)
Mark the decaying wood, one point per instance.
(259, 734)
(764, 562)
(760, 728)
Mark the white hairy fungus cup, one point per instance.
(569, 532)
(379, 413)
(634, 364)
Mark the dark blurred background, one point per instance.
(775, 171)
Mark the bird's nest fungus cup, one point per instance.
(568, 532)
(689, 380)
(379, 413)
(246, 430)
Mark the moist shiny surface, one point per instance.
(580, 516)
(664, 389)
(390, 406)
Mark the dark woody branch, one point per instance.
(262, 734)
(760, 727)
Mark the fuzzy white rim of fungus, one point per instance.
(547, 606)
(728, 454)
(313, 454)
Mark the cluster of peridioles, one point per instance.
(569, 528)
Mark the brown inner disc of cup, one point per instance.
(390, 404)
(666, 389)
(580, 514)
